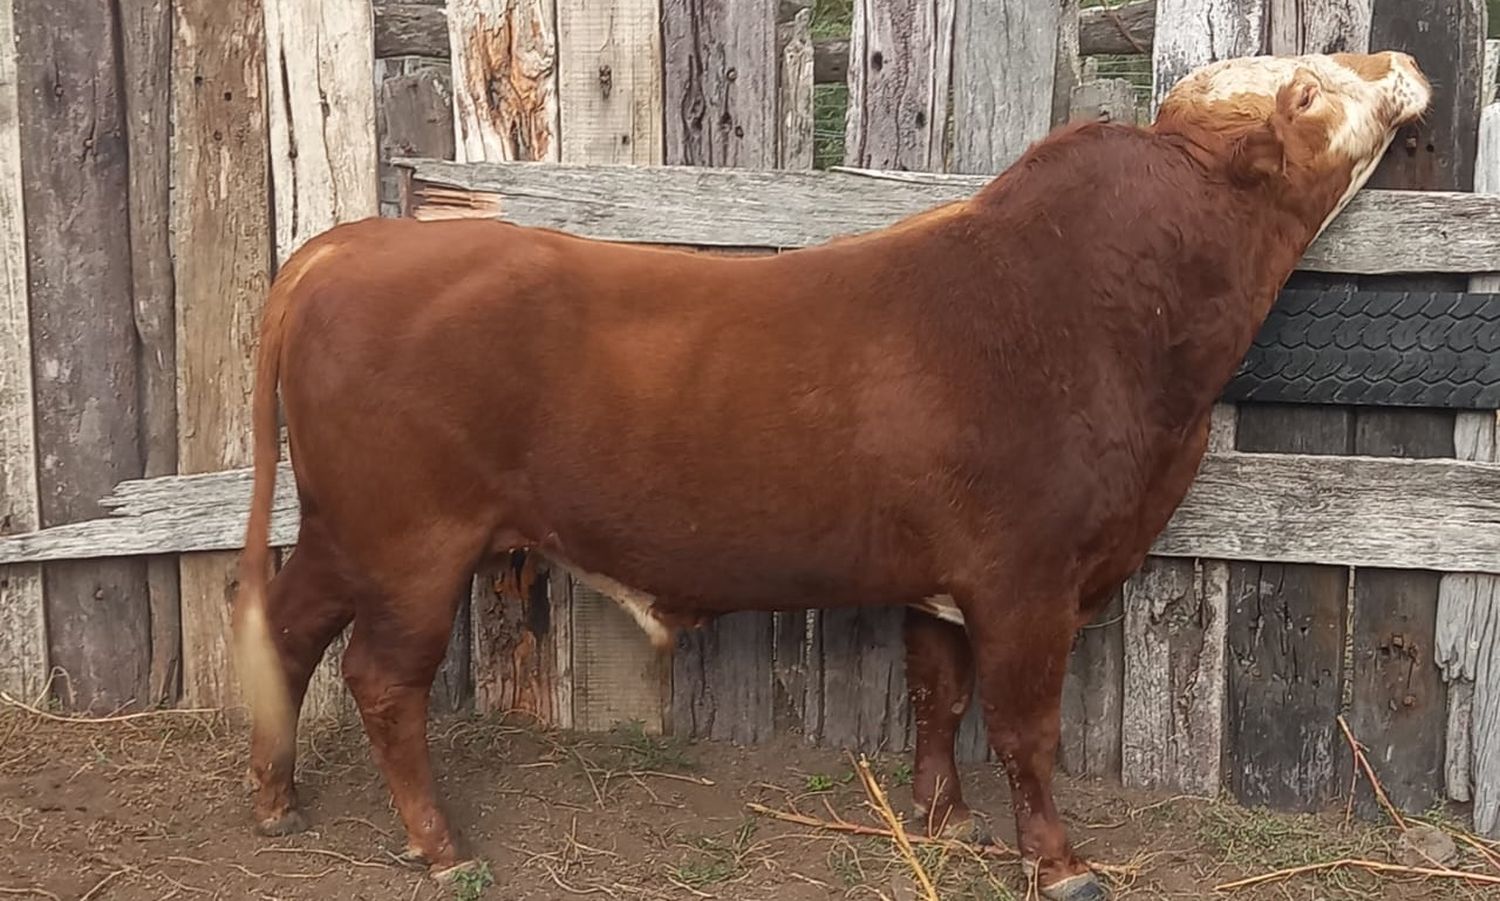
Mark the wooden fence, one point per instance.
(160, 158)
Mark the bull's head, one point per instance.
(1310, 129)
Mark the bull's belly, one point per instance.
(656, 617)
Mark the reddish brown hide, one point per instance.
(993, 407)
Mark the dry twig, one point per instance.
(882, 806)
(10, 701)
(1373, 866)
(28, 893)
(1364, 764)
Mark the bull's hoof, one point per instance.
(289, 823)
(1079, 887)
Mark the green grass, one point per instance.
(470, 884)
(650, 752)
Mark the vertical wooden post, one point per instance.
(75, 171)
(610, 105)
(23, 624)
(1175, 610)
(221, 229)
(1398, 704)
(146, 32)
(504, 56)
(1005, 65)
(720, 89)
(413, 117)
(900, 65)
(320, 108)
(1468, 624)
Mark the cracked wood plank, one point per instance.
(23, 625)
(504, 79)
(1190, 33)
(1005, 84)
(75, 158)
(900, 72)
(221, 222)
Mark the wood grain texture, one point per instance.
(1380, 231)
(23, 624)
(75, 185)
(1320, 26)
(722, 680)
(1124, 29)
(1093, 702)
(720, 92)
(146, 33)
(521, 642)
(1490, 79)
(1105, 100)
(794, 91)
(319, 72)
(411, 29)
(900, 72)
(609, 60)
(413, 117)
(1005, 58)
(1174, 676)
(504, 56)
(1190, 33)
(221, 226)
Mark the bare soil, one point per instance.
(153, 808)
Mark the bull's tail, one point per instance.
(257, 661)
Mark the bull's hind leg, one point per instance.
(308, 603)
(1020, 648)
(940, 681)
(395, 649)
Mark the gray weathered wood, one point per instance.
(1105, 100)
(1319, 26)
(1468, 642)
(720, 91)
(411, 29)
(794, 91)
(1380, 231)
(75, 182)
(1123, 29)
(1412, 514)
(723, 687)
(1190, 33)
(220, 189)
(1490, 80)
(504, 79)
(321, 99)
(900, 59)
(1174, 676)
(1005, 59)
(413, 117)
(610, 82)
(1093, 703)
(146, 33)
(23, 625)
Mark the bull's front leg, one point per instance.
(940, 682)
(1020, 646)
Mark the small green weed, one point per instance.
(469, 885)
(822, 782)
(650, 752)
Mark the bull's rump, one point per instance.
(718, 432)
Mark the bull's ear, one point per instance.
(1259, 154)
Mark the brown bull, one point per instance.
(985, 413)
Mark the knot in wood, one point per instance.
(606, 80)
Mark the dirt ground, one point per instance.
(153, 809)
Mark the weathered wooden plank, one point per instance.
(220, 190)
(23, 625)
(75, 183)
(1174, 676)
(723, 687)
(504, 79)
(1105, 100)
(720, 90)
(1190, 33)
(1490, 80)
(1380, 231)
(322, 116)
(610, 82)
(794, 91)
(1005, 58)
(1411, 514)
(413, 117)
(1124, 29)
(1398, 703)
(900, 60)
(411, 29)
(517, 661)
(146, 34)
(1319, 26)
(1093, 703)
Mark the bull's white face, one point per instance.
(1331, 115)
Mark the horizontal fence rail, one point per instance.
(1345, 511)
(1381, 232)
